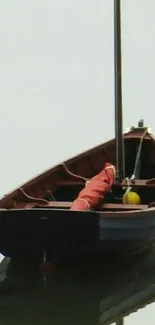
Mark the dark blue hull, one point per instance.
(63, 233)
(120, 234)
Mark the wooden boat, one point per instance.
(36, 217)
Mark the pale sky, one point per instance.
(57, 85)
(143, 316)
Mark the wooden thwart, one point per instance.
(136, 183)
(105, 206)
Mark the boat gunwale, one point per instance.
(132, 134)
(102, 214)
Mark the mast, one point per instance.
(120, 159)
(120, 321)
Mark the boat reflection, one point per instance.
(100, 291)
(137, 293)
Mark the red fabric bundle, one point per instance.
(95, 190)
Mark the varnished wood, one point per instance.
(71, 183)
(135, 183)
(105, 206)
(86, 164)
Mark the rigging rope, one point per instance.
(73, 174)
(127, 179)
(46, 201)
(31, 197)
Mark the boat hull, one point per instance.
(63, 233)
(128, 233)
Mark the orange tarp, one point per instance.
(95, 190)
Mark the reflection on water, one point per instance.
(99, 291)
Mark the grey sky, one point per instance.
(57, 79)
(143, 316)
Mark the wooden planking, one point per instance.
(105, 206)
(136, 183)
(70, 183)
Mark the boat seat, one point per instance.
(151, 205)
(136, 183)
(149, 183)
(105, 206)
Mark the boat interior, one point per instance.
(58, 187)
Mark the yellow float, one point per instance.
(131, 198)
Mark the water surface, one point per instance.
(104, 290)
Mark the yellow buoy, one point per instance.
(131, 198)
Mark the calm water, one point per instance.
(101, 291)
